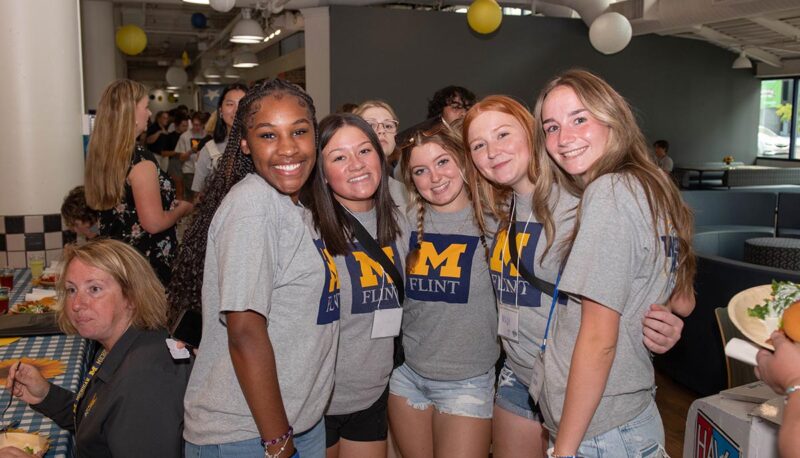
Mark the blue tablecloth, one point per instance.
(71, 350)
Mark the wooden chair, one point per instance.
(739, 373)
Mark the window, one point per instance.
(778, 119)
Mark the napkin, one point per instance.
(742, 351)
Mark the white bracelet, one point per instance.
(791, 389)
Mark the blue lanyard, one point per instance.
(550, 315)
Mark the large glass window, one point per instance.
(776, 118)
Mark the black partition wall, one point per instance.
(683, 90)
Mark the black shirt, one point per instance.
(138, 401)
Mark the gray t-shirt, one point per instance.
(363, 364)
(512, 289)
(617, 261)
(450, 316)
(206, 163)
(261, 256)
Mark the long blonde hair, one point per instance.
(626, 153)
(112, 143)
(129, 269)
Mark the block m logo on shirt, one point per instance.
(442, 271)
(371, 287)
(509, 286)
(329, 299)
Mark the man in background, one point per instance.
(187, 148)
(664, 162)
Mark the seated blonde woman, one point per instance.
(130, 403)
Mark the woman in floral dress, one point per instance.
(135, 199)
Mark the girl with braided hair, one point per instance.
(441, 397)
(264, 369)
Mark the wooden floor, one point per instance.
(673, 403)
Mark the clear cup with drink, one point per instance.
(4, 295)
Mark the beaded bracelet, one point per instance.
(272, 442)
(792, 389)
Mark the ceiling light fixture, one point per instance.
(197, 2)
(212, 72)
(742, 62)
(245, 59)
(231, 72)
(247, 31)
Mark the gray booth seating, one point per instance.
(761, 176)
(788, 215)
(732, 211)
(724, 220)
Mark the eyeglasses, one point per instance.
(389, 126)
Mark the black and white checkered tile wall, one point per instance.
(24, 236)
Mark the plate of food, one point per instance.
(37, 307)
(48, 279)
(758, 311)
(31, 443)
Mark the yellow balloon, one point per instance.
(131, 39)
(484, 16)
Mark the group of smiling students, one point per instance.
(554, 236)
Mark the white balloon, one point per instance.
(176, 76)
(223, 6)
(610, 33)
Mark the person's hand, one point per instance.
(184, 156)
(182, 344)
(662, 329)
(185, 207)
(14, 452)
(780, 369)
(30, 386)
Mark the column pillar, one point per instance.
(99, 49)
(318, 57)
(42, 102)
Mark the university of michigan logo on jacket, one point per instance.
(509, 286)
(443, 269)
(371, 288)
(329, 300)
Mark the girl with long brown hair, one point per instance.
(135, 199)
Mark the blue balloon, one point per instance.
(199, 20)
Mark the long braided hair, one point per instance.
(448, 139)
(184, 291)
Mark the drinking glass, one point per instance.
(4, 292)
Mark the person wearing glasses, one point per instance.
(383, 120)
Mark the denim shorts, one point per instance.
(466, 398)
(309, 444)
(642, 437)
(512, 395)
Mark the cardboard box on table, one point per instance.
(726, 426)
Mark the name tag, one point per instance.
(508, 321)
(386, 322)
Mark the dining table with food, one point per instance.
(744, 420)
(59, 358)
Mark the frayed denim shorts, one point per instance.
(642, 437)
(466, 398)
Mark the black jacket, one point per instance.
(138, 406)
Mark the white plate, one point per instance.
(753, 328)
